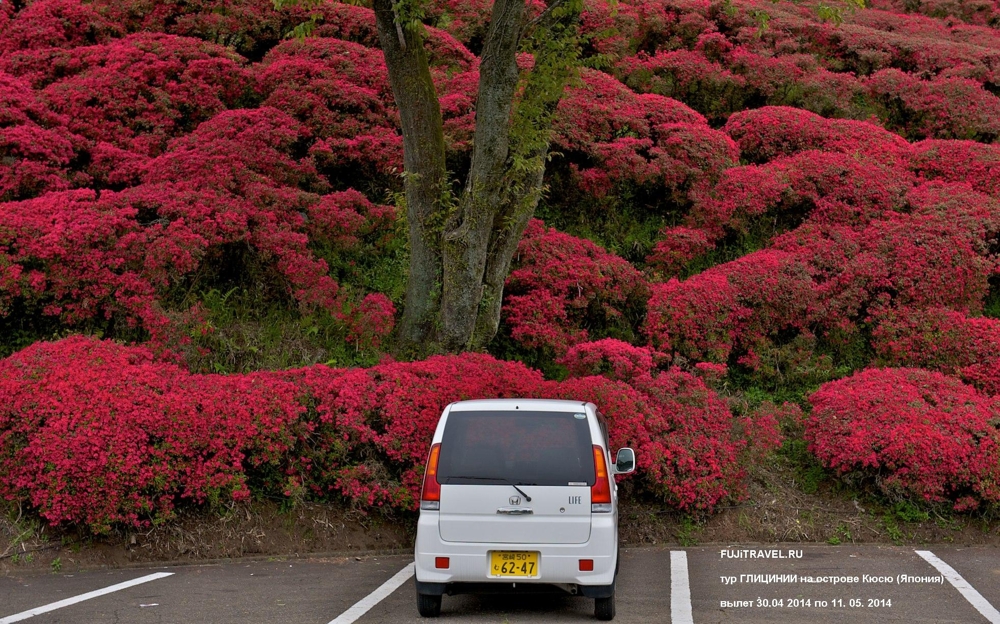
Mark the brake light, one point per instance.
(600, 492)
(430, 494)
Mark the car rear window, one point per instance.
(529, 448)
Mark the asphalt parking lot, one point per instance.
(722, 583)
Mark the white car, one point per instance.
(519, 492)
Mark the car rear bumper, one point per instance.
(559, 564)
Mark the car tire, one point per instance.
(604, 608)
(428, 606)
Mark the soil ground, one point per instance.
(777, 509)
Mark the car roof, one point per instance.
(535, 405)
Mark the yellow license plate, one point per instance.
(513, 563)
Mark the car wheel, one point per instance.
(428, 606)
(604, 608)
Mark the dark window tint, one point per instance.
(539, 448)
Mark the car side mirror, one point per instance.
(625, 461)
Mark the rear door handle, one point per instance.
(515, 511)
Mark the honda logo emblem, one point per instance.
(515, 500)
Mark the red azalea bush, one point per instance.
(676, 247)
(721, 61)
(942, 108)
(371, 321)
(382, 419)
(346, 108)
(980, 12)
(610, 358)
(735, 306)
(73, 257)
(601, 108)
(959, 161)
(829, 276)
(57, 24)
(340, 219)
(824, 187)
(97, 434)
(610, 137)
(916, 260)
(36, 150)
(250, 26)
(943, 340)
(764, 134)
(234, 181)
(138, 92)
(914, 432)
(691, 452)
(561, 285)
(686, 76)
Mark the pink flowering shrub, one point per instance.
(138, 92)
(691, 451)
(764, 134)
(943, 340)
(249, 26)
(561, 288)
(980, 12)
(73, 257)
(913, 432)
(676, 247)
(245, 161)
(97, 434)
(916, 260)
(611, 138)
(824, 187)
(340, 91)
(942, 108)
(57, 24)
(235, 181)
(340, 219)
(387, 415)
(610, 358)
(686, 76)
(959, 161)
(825, 276)
(371, 321)
(723, 61)
(735, 306)
(36, 150)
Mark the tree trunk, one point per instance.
(460, 253)
(468, 233)
(425, 177)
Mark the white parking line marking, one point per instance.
(362, 606)
(680, 589)
(975, 598)
(24, 615)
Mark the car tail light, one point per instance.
(442, 563)
(586, 565)
(430, 495)
(600, 492)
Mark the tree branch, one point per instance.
(544, 15)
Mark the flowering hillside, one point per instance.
(747, 203)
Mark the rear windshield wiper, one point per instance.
(507, 481)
